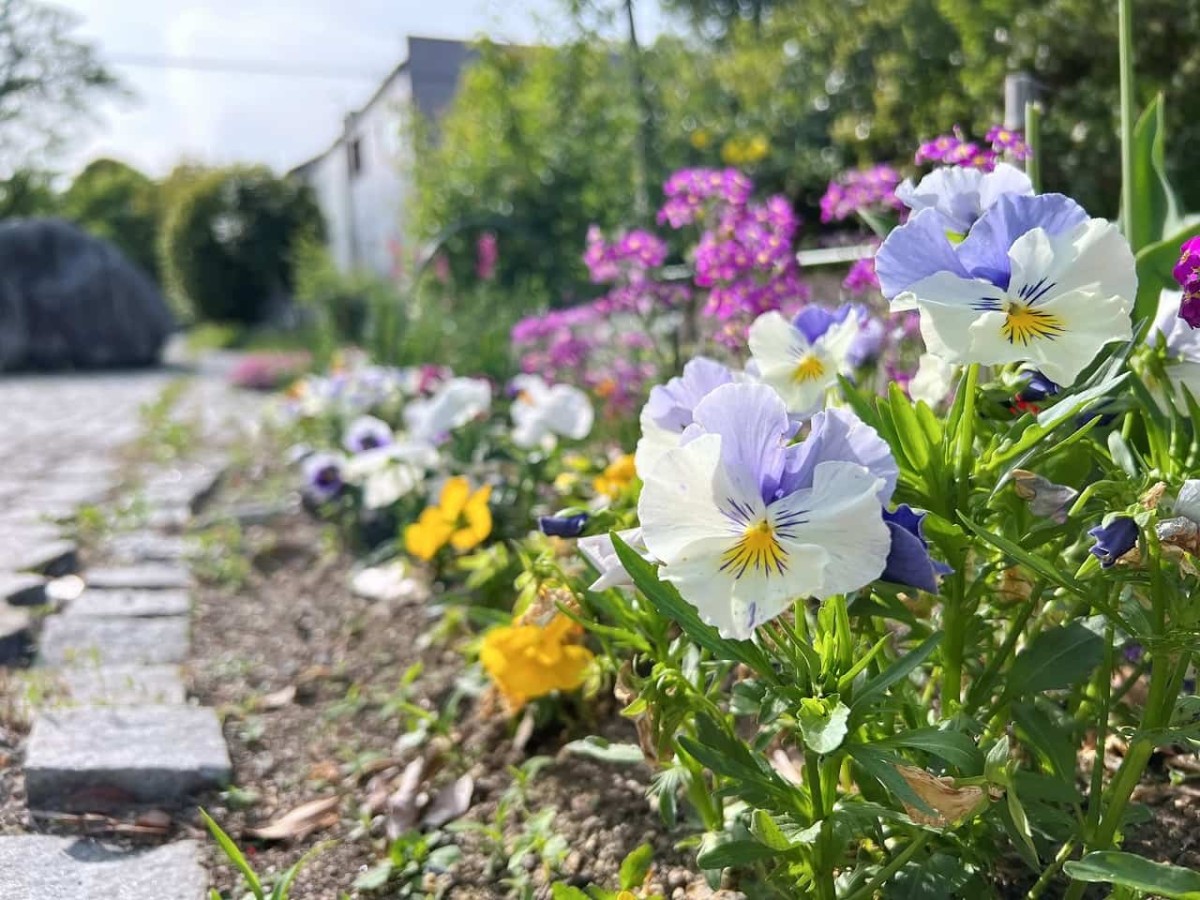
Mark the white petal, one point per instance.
(775, 342)
(680, 502)
(947, 313)
(654, 442)
(933, 381)
(844, 518)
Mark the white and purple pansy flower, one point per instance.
(367, 433)
(668, 411)
(802, 359)
(542, 413)
(1034, 280)
(745, 524)
(323, 476)
(455, 403)
(962, 194)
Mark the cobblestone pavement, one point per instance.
(116, 733)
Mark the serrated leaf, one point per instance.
(1132, 871)
(822, 728)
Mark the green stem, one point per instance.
(1050, 871)
(1033, 138)
(954, 617)
(1125, 28)
(822, 871)
(898, 861)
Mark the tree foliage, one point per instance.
(228, 241)
(118, 203)
(48, 79)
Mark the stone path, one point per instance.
(115, 732)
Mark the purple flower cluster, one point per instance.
(748, 261)
(858, 190)
(690, 193)
(487, 255)
(955, 150)
(1187, 273)
(629, 257)
(861, 279)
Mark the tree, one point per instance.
(228, 243)
(27, 193)
(48, 79)
(120, 204)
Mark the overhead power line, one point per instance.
(239, 66)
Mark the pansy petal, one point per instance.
(1004, 179)
(680, 502)
(914, 251)
(838, 434)
(454, 496)
(984, 251)
(843, 516)
(753, 424)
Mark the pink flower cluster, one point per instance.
(487, 255)
(269, 371)
(629, 257)
(603, 345)
(1187, 273)
(955, 150)
(690, 193)
(857, 190)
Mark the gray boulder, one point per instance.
(71, 300)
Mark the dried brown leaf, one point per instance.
(949, 803)
(300, 822)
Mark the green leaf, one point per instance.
(374, 878)
(635, 866)
(720, 852)
(881, 765)
(1130, 870)
(897, 671)
(1155, 203)
(230, 849)
(1057, 658)
(560, 891)
(667, 600)
(763, 827)
(606, 751)
(954, 747)
(823, 727)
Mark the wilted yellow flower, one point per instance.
(616, 477)
(461, 519)
(529, 661)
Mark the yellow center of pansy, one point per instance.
(1023, 323)
(810, 368)
(758, 549)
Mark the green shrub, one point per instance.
(118, 203)
(228, 242)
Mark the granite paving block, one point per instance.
(131, 603)
(171, 519)
(136, 754)
(14, 635)
(43, 867)
(23, 589)
(121, 686)
(146, 546)
(51, 557)
(96, 641)
(148, 577)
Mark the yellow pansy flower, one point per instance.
(616, 477)
(743, 151)
(700, 138)
(529, 661)
(461, 519)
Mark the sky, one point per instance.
(280, 120)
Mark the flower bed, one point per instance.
(892, 606)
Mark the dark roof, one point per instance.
(434, 66)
